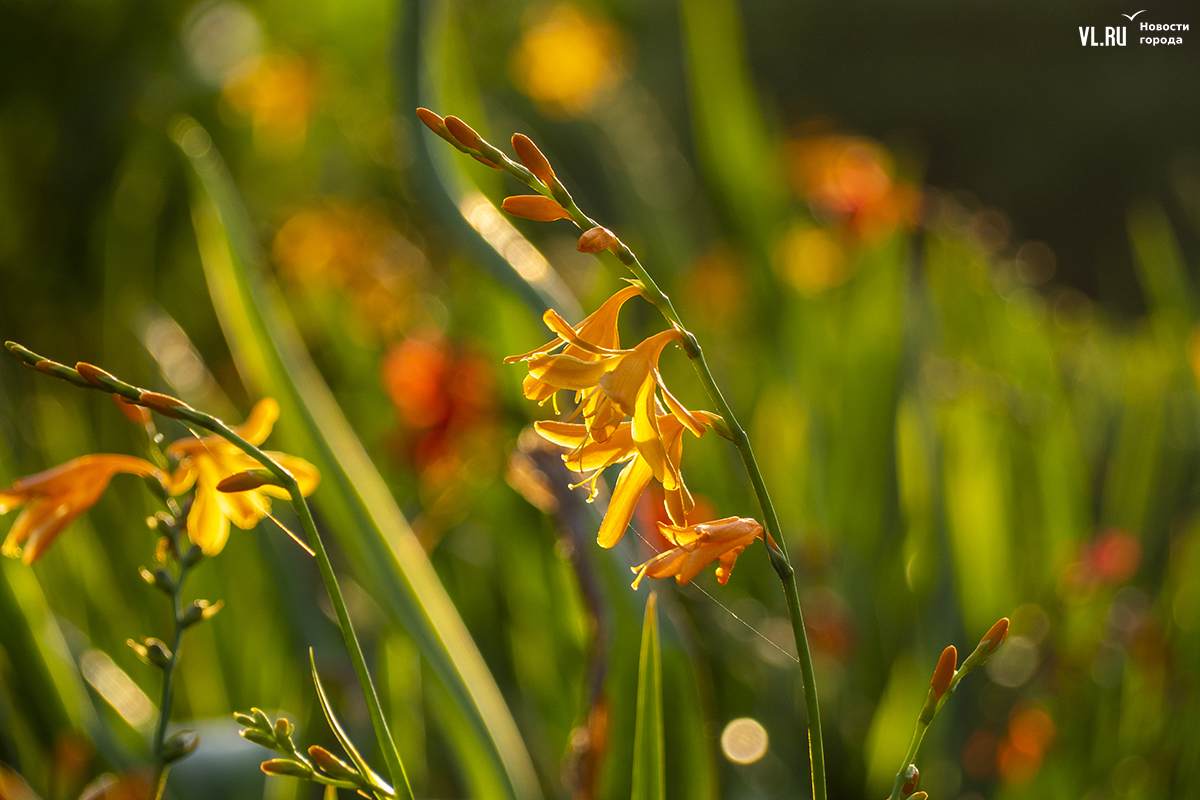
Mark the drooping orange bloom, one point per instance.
(697, 546)
(206, 462)
(54, 498)
(600, 328)
(588, 455)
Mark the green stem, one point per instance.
(909, 758)
(777, 545)
(168, 688)
(383, 733)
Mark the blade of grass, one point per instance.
(354, 498)
(649, 774)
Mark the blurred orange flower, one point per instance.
(206, 462)
(848, 180)
(445, 395)
(54, 498)
(567, 59)
(697, 546)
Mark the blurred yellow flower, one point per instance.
(811, 259)
(697, 546)
(278, 93)
(54, 498)
(567, 59)
(587, 455)
(206, 462)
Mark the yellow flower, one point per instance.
(600, 328)
(54, 498)
(697, 546)
(588, 455)
(568, 60)
(615, 385)
(206, 462)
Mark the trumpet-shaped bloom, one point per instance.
(615, 384)
(600, 328)
(54, 498)
(588, 455)
(205, 462)
(697, 546)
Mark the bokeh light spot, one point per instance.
(744, 741)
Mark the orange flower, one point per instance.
(600, 328)
(54, 498)
(206, 462)
(697, 546)
(588, 455)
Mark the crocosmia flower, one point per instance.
(205, 462)
(697, 546)
(587, 455)
(54, 498)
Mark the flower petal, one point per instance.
(258, 425)
(568, 372)
(632, 482)
(305, 474)
(648, 439)
(207, 525)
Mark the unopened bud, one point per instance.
(910, 785)
(463, 132)
(286, 766)
(159, 578)
(244, 719)
(919, 796)
(944, 672)
(98, 377)
(164, 404)
(136, 414)
(201, 610)
(192, 555)
(332, 765)
(152, 651)
(180, 744)
(258, 737)
(996, 636)
(283, 728)
(247, 481)
(434, 122)
(595, 240)
(534, 207)
(532, 158)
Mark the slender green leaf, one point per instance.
(343, 739)
(649, 775)
(353, 498)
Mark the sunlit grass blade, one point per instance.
(353, 500)
(649, 775)
(338, 731)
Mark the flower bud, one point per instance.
(244, 719)
(463, 132)
(164, 404)
(98, 377)
(200, 610)
(286, 766)
(159, 578)
(944, 672)
(332, 765)
(248, 480)
(919, 796)
(534, 207)
(258, 737)
(152, 651)
(996, 636)
(435, 123)
(595, 240)
(180, 744)
(136, 414)
(532, 158)
(910, 785)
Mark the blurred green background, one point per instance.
(942, 260)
